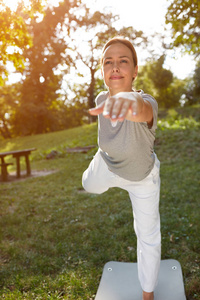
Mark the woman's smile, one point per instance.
(116, 77)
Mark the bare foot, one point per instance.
(148, 296)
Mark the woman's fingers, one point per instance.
(134, 108)
(107, 112)
(116, 108)
(124, 110)
(97, 110)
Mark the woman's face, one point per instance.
(118, 68)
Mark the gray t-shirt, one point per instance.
(128, 148)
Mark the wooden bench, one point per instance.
(16, 154)
(4, 171)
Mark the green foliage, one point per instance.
(14, 35)
(192, 93)
(9, 97)
(159, 82)
(176, 121)
(12, 25)
(161, 77)
(196, 78)
(184, 16)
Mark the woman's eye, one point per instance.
(107, 62)
(124, 61)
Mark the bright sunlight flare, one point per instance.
(12, 4)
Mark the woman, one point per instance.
(126, 158)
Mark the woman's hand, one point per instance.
(123, 105)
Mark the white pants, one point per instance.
(144, 197)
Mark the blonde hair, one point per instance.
(127, 43)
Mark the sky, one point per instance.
(148, 16)
(141, 14)
(145, 15)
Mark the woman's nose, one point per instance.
(115, 67)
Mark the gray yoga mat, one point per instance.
(119, 281)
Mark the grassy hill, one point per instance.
(55, 239)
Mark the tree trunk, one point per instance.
(91, 99)
(5, 131)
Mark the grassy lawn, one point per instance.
(55, 239)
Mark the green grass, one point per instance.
(55, 239)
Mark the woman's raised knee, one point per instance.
(92, 186)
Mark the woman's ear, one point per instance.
(135, 72)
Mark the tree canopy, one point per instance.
(184, 17)
(14, 35)
(158, 81)
(38, 105)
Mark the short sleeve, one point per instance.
(101, 97)
(154, 105)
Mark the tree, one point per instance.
(196, 78)
(9, 98)
(154, 79)
(184, 17)
(192, 93)
(37, 111)
(14, 35)
(160, 76)
(143, 80)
